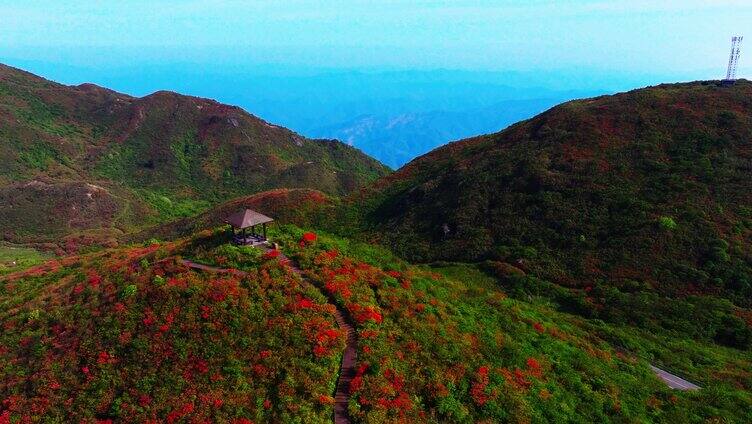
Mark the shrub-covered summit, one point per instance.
(650, 187)
(133, 335)
(84, 157)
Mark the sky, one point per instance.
(671, 37)
(326, 68)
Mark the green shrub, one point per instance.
(667, 223)
(129, 291)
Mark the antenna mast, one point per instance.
(736, 42)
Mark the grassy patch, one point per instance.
(171, 208)
(16, 258)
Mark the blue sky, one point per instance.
(636, 36)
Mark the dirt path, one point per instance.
(349, 356)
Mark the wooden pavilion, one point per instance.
(245, 219)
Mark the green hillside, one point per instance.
(86, 158)
(649, 190)
(131, 334)
(301, 207)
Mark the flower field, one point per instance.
(133, 335)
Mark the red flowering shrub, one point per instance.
(308, 238)
(533, 367)
(326, 400)
(357, 382)
(272, 254)
(104, 358)
(368, 313)
(205, 312)
(326, 339)
(196, 327)
(306, 303)
(182, 412)
(94, 279)
(516, 378)
(478, 389)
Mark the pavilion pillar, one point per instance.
(264, 226)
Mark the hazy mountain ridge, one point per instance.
(445, 104)
(397, 139)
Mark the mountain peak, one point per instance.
(587, 185)
(155, 154)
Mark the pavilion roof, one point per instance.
(247, 218)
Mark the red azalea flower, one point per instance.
(319, 351)
(202, 366)
(326, 400)
(355, 384)
(368, 313)
(205, 312)
(144, 400)
(309, 237)
(272, 254)
(306, 303)
(94, 279)
(478, 389)
(369, 334)
(103, 358)
(267, 404)
(534, 367)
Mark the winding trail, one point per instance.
(349, 356)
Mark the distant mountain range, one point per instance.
(397, 139)
(393, 116)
